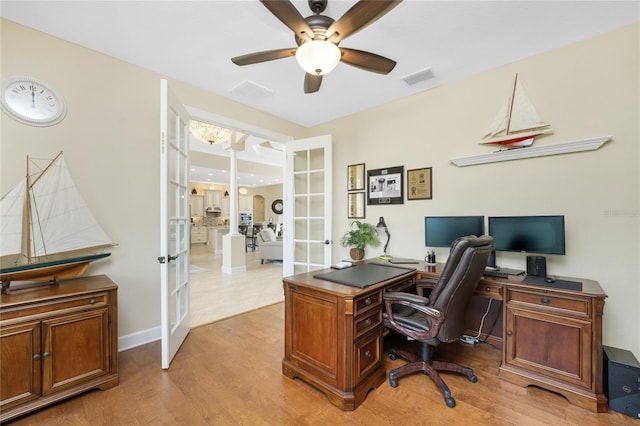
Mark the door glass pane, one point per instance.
(316, 184)
(316, 229)
(300, 161)
(300, 207)
(316, 254)
(300, 183)
(316, 159)
(316, 205)
(300, 252)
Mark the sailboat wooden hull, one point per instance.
(511, 142)
(48, 271)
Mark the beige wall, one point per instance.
(585, 90)
(588, 89)
(111, 141)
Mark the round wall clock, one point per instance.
(32, 101)
(276, 206)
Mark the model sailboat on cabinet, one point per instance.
(47, 232)
(517, 124)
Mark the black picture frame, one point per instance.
(385, 186)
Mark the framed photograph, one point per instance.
(385, 186)
(355, 177)
(419, 184)
(356, 205)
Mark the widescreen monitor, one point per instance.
(441, 231)
(528, 234)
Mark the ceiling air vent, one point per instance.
(251, 90)
(418, 76)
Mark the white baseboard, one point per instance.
(237, 269)
(139, 338)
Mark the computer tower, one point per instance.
(537, 266)
(622, 381)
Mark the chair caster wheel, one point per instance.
(394, 383)
(450, 402)
(393, 357)
(473, 379)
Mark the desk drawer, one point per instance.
(367, 302)
(577, 305)
(402, 286)
(367, 354)
(373, 319)
(489, 289)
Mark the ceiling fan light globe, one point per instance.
(318, 57)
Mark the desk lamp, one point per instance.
(382, 225)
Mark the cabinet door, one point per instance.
(225, 206)
(20, 369)
(551, 345)
(75, 349)
(197, 205)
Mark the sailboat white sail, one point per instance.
(44, 219)
(517, 123)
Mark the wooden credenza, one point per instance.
(57, 341)
(333, 335)
(551, 337)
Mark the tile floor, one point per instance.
(215, 295)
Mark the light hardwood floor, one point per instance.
(229, 373)
(215, 295)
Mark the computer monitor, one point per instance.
(528, 234)
(441, 231)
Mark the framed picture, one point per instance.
(356, 205)
(385, 186)
(419, 184)
(355, 177)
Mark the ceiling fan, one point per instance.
(318, 36)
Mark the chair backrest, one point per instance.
(266, 235)
(460, 276)
(242, 229)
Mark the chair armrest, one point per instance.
(424, 284)
(434, 317)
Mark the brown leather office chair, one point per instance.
(440, 318)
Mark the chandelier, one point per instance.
(208, 132)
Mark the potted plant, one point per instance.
(360, 235)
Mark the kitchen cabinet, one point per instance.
(213, 198)
(57, 341)
(197, 205)
(199, 235)
(245, 203)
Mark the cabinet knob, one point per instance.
(367, 354)
(545, 301)
(368, 321)
(92, 301)
(36, 356)
(367, 301)
(509, 333)
(46, 354)
(488, 289)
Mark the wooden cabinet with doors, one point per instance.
(57, 341)
(196, 204)
(245, 203)
(553, 339)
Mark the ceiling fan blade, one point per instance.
(266, 55)
(289, 15)
(312, 83)
(358, 17)
(367, 61)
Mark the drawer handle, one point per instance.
(92, 301)
(488, 289)
(545, 301)
(367, 354)
(509, 333)
(46, 354)
(368, 322)
(36, 356)
(367, 301)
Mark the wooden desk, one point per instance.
(333, 335)
(551, 338)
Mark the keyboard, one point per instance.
(495, 273)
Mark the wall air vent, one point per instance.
(418, 76)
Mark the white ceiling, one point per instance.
(193, 41)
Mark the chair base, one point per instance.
(430, 367)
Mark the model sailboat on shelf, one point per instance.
(517, 124)
(46, 231)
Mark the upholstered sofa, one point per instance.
(269, 246)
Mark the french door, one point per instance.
(174, 223)
(307, 205)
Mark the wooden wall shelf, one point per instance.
(539, 151)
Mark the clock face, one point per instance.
(276, 206)
(32, 101)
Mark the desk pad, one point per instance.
(364, 275)
(567, 285)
